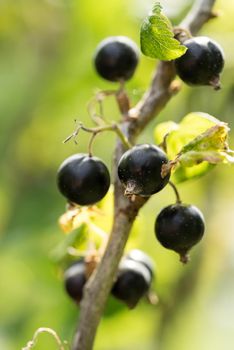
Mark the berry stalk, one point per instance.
(178, 199)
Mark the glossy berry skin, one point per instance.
(83, 180)
(133, 282)
(179, 227)
(140, 168)
(202, 63)
(74, 280)
(141, 257)
(116, 58)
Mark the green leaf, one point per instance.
(157, 38)
(164, 129)
(194, 145)
(182, 173)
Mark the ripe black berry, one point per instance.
(83, 180)
(75, 279)
(140, 168)
(116, 58)
(202, 63)
(179, 227)
(139, 256)
(133, 282)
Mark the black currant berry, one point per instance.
(75, 279)
(140, 169)
(116, 58)
(133, 282)
(179, 227)
(202, 63)
(141, 257)
(83, 180)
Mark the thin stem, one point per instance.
(178, 199)
(95, 131)
(101, 111)
(91, 144)
(122, 137)
(73, 135)
(40, 330)
(163, 145)
(113, 127)
(98, 98)
(123, 99)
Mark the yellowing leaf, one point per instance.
(74, 218)
(194, 145)
(214, 138)
(210, 146)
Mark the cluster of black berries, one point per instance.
(133, 280)
(116, 59)
(178, 227)
(84, 179)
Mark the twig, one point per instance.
(99, 285)
(95, 131)
(40, 330)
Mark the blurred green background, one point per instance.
(47, 78)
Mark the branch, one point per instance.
(162, 87)
(99, 285)
(200, 13)
(154, 100)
